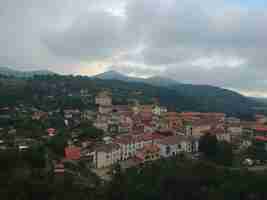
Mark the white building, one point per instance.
(159, 110)
(103, 99)
(107, 155)
(173, 145)
(129, 144)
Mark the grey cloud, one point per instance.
(151, 36)
(93, 36)
(194, 28)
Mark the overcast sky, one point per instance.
(218, 42)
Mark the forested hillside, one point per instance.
(55, 91)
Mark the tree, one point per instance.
(88, 131)
(208, 145)
(218, 152)
(58, 143)
(225, 154)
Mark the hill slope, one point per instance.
(23, 74)
(154, 80)
(181, 97)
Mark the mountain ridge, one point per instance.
(7, 71)
(154, 80)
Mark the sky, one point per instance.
(217, 42)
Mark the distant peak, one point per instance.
(113, 72)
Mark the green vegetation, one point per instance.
(215, 151)
(58, 143)
(25, 177)
(88, 131)
(55, 91)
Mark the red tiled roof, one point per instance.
(190, 113)
(261, 129)
(130, 139)
(171, 140)
(157, 136)
(261, 138)
(259, 116)
(73, 153)
(51, 131)
(152, 148)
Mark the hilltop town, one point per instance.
(129, 135)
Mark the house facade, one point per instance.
(174, 145)
(107, 155)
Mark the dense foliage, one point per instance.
(25, 177)
(216, 151)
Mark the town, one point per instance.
(128, 135)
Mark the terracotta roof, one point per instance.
(73, 153)
(157, 136)
(190, 113)
(51, 131)
(171, 114)
(248, 124)
(151, 148)
(121, 108)
(259, 116)
(171, 140)
(107, 147)
(203, 122)
(261, 138)
(130, 139)
(261, 129)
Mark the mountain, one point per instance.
(23, 74)
(206, 98)
(154, 80)
(161, 81)
(114, 75)
(174, 95)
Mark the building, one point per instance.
(198, 127)
(107, 155)
(159, 110)
(173, 145)
(51, 132)
(169, 146)
(220, 134)
(149, 152)
(173, 120)
(232, 120)
(59, 168)
(129, 144)
(71, 113)
(260, 131)
(125, 123)
(105, 109)
(261, 119)
(103, 99)
(234, 129)
(73, 153)
(88, 115)
(39, 115)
